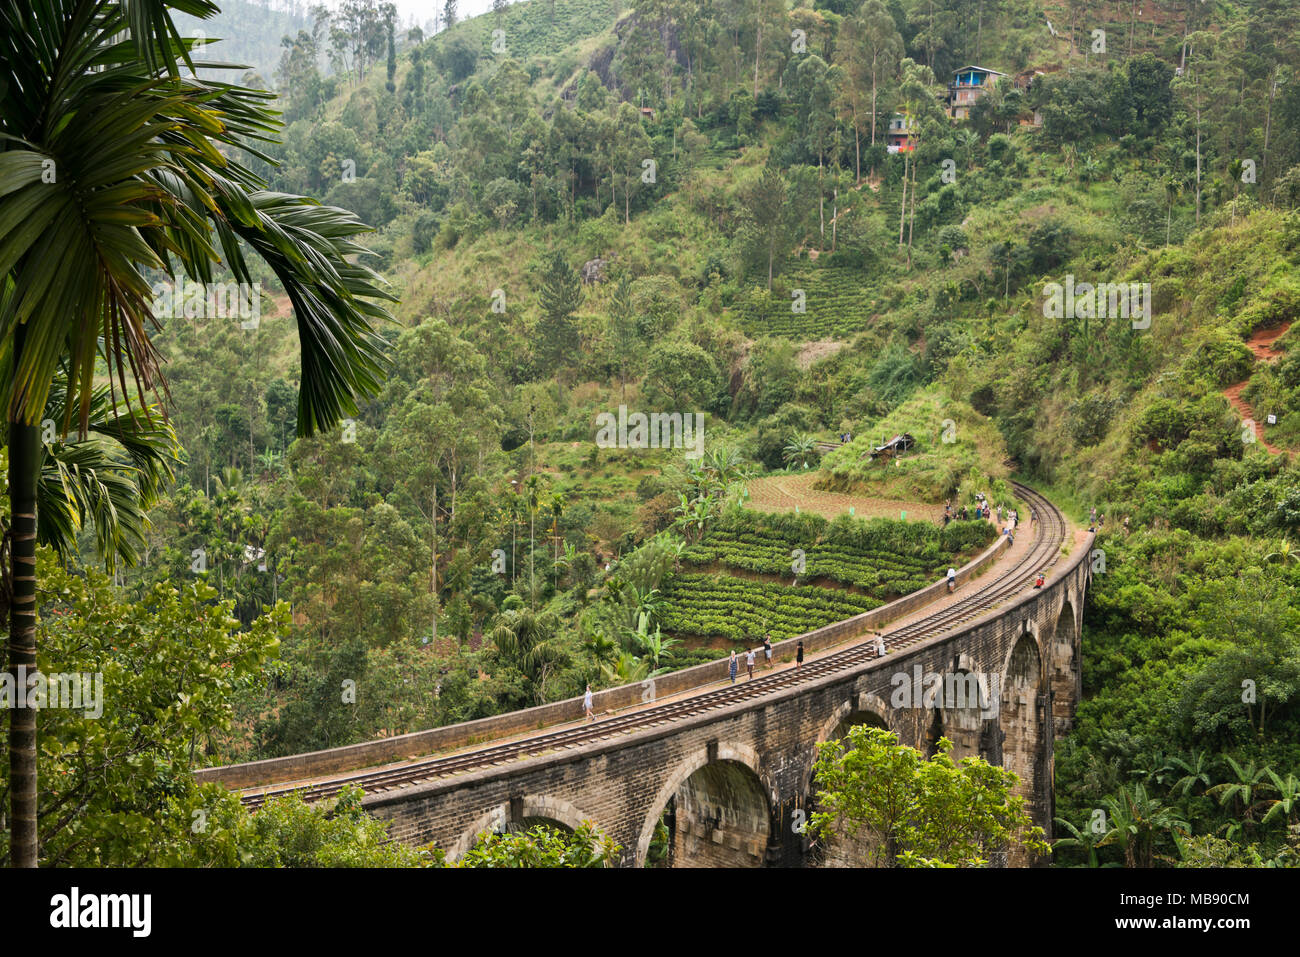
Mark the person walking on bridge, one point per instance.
(589, 713)
(733, 666)
(767, 649)
(749, 663)
(952, 579)
(798, 655)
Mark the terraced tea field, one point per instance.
(837, 304)
(844, 568)
(742, 610)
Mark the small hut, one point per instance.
(893, 448)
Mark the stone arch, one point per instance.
(867, 709)
(533, 808)
(552, 810)
(968, 696)
(1066, 669)
(744, 761)
(1021, 685)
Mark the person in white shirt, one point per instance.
(588, 710)
(952, 579)
(749, 663)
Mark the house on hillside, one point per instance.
(967, 86)
(900, 137)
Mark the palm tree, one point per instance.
(1086, 840)
(108, 480)
(725, 464)
(1250, 780)
(528, 641)
(534, 502)
(693, 517)
(115, 162)
(654, 643)
(1137, 820)
(1285, 553)
(1288, 799)
(647, 602)
(625, 669)
(799, 448)
(1196, 770)
(557, 510)
(967, 139)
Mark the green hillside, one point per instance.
(674, 209)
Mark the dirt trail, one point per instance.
(1261, 344)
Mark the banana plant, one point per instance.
(653, 643)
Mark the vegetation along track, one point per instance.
(983, 597)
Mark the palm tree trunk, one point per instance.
(24, 460)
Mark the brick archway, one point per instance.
(1066, 669)
(867, 705)
(532, 807)
(726, 751)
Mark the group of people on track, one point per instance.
(1007, 518)
(733, 667)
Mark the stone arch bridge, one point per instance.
(728, 768)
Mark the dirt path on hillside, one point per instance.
(1261, 344)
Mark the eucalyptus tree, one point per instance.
(871, 50)
(117, 160)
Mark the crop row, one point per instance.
(744, 610)
(879, 572)
(836, 301)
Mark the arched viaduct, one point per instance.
(735, 773)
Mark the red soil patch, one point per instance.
(1261, 344)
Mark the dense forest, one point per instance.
(578, 205)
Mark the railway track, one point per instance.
(983, 597)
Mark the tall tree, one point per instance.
(766, 226)
(559, 296)
(769, 16)
(871, 48)
(111, 167)
(622, 317)
(915, 812)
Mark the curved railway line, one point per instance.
(985, 596)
